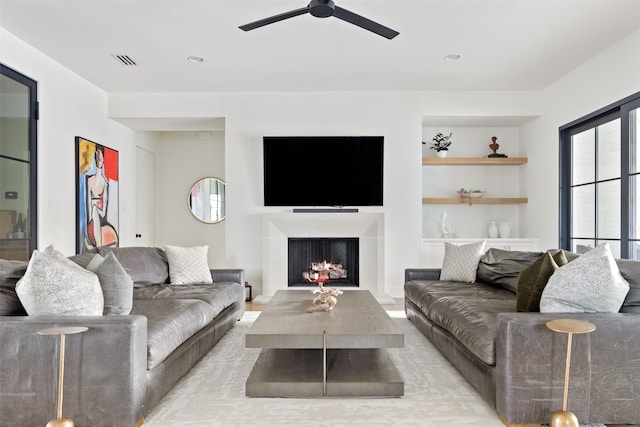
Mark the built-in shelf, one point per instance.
(473, 161)
(473, 201)
(470, 161)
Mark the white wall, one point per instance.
(396, 115)
(606, 78)
(70, 107)
(182, 158)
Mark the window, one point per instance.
(18, 143)
(599, 173)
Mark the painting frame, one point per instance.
(97, 195)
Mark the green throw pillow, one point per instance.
(534, 278)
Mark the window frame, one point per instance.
(618, 110)
(32, 238)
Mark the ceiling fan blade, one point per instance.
(365, 23)
(275, 18)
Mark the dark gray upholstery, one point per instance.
(514, 361)
(467, 311)
(604, 382)
(105, 371)
(10, 273)
(218, 295)
(146, 266)
(123, 365)
(501, 268)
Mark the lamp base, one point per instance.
(61, 422)
(563, 419)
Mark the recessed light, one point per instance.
(195, 59)
(452, 57)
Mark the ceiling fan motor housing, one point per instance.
(322, 8)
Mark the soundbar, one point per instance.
(325, 210)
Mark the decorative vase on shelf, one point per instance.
(504, 228)
(492, 229)
(442, 153)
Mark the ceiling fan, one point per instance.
(325, 9)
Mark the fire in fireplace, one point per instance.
(323, 259)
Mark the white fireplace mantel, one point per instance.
(367, 227)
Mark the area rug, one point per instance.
(212, 394)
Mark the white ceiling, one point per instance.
(504, 44)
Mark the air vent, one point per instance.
(124, 59)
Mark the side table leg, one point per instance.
(324, 363)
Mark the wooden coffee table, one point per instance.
(336, 353)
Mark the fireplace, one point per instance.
(331, 260)
(368, 227)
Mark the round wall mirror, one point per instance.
(207, 200)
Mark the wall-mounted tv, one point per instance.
(323, 170)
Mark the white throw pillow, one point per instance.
(460, 262)
(55, 285)
(591, 283)
(117, 286)
(188, 265)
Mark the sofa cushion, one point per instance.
(188, 265)
(145, 265)
(54, 285)
(501, 268)
(219, 295)
(117, 286)
(10, 273)
(533, 279)
(84, 258)
(592, 283)
(170, 322)
(460, 262)
(630, 271)
(469, 313)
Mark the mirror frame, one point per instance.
(224, 213)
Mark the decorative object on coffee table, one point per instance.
(494, 147)
(325, 298)
(565, 418)
(61, 421)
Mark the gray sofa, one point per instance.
(513, 360)
(124, 364)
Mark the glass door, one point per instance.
(633, 126)
(18, 142)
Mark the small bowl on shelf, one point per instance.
(470, 194)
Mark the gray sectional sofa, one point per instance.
(124, 364)
(513, 360)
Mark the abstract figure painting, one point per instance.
(96, 195)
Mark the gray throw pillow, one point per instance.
(54, 285)
(117, 286)
(533, 279)
(591, 283)
(145, 265)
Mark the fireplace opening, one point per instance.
(330, 260)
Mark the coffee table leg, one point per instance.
(324, 363)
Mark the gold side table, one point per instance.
(565, 418)
(59, 421)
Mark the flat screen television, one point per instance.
(323, 171)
